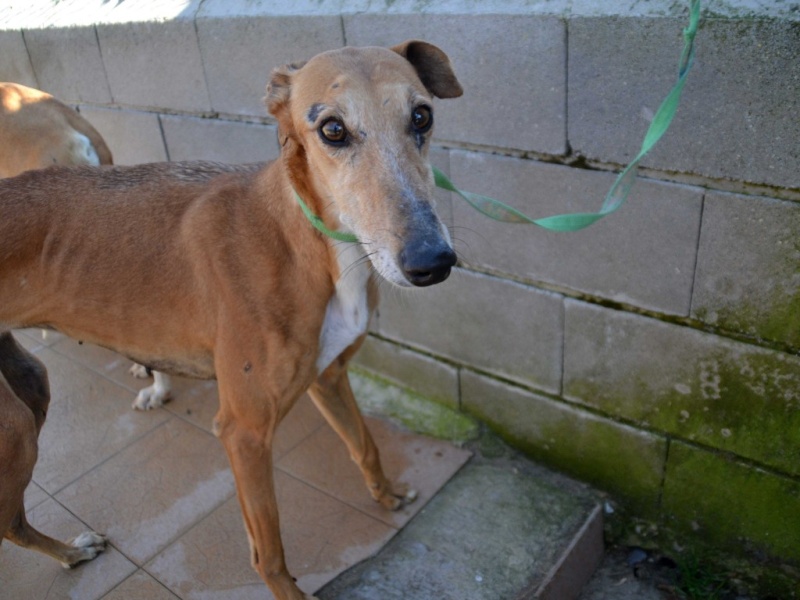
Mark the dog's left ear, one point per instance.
(433, 68)
(279, 91)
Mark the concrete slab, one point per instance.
(432, 378)
(738, 113)
(515, 87)
(496, 325)
(16, 64)
(154, 65)
(724, 394)
(756, 289)
(68, 64)
(189, 138)
(133, 136)
(496, 530)
(240, 53)
(643, 255)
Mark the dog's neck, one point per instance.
(348, 311)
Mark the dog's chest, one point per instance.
(347, 313)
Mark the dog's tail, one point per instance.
(87, 146)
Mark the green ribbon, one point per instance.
(622, 186)
(616, 195)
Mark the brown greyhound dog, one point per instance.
(241, 286)
(38, 131)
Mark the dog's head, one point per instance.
(355, 125)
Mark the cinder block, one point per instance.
(440, 158)
(15, 65)
(68, 64)
(240, 53)
(748, 269)
(512, 68)
(134, 137)
(644, 254)
(738, 114)
(492, 324)
(36, 14)
(731, 504)
(620, 459)
(154, 65)
(422, 374)
(693, 385)
(190, 138)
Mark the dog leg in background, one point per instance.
(153, 396)
(24, 398)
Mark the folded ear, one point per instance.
(433, 68)
(279, 92)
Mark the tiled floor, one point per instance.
(158, 484)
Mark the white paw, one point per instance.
(410, 496)
(139, 371)
(89, 544)
(151, 397)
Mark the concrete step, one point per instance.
(501, 529)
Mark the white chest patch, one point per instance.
(347, 314)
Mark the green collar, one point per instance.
(318, 223)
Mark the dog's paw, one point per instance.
(153, 396)
(397, 496)
(139, 371)
(87, 546)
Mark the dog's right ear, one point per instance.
(279, 92)
(432, 66)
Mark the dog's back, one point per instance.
(47, 254)
(38, 131)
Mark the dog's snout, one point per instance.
(425, 266)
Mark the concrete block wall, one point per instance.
(654, 354)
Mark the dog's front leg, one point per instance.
(334, 398)
(246, 425)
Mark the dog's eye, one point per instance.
(422, 119)
(333, 131)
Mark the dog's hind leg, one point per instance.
(334, 398)
(84, 547)
(24, 398)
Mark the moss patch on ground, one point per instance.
(378, 397)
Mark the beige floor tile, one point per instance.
(89, 420)
(34, 495)
(42, 337)
(147, 495)
(29, 575)
(27, 340)
(158, 483)
(194, 401)
(321, 537)
(301, 422)
(423, 463)
(140, 586)
(106, 362)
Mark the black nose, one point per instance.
(424, 265)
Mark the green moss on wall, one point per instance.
(737, 398)
(774, 318)
(419, 414)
